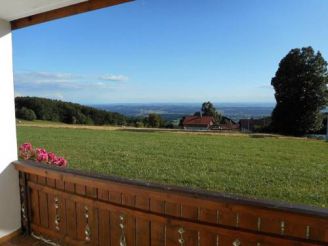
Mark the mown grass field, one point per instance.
(287, 169)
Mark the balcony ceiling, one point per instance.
(15, 9)
(23, 13)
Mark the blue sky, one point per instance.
(167, 51)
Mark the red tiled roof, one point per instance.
(198, 121)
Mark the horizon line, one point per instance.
(200, 102)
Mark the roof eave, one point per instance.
(70, 10)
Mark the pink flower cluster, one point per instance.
(27, 152)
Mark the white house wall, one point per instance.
(9, 189)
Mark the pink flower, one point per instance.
(26, 151)
(26, 147)
(51, 158)
(41, 155)
(61, 162)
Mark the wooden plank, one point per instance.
(173, 209)
(115, 197)
(60, 185)
(158, 234)
(103, 195)
(91, 192)
(42, 180)
(50, 182)
(209, 238)
(230, 218)
(71, 218)
(143, 202)
(115, 230)
(191, 237)
(63, 216)
(189, 212)
(130, 229)
(157, 206)
(209, 215)
(64, 12)
(81, 221)
(128, 200)
(80, 189)
(94, 223)
(25, 196)
(142, 229)
(33, 178)
(52, 211)
(104, 228)
(43, 204)
(69, 186)
(35, 209)
(171, 236)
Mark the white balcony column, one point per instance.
(9, 188)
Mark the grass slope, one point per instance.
(288, 169)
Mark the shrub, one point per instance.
(26, 114)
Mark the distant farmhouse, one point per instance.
(197, 123)
(226, 124)
(205, 123)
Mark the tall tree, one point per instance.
(301, 92)
(208, 109)
(154, 120)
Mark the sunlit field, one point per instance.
(288, 169)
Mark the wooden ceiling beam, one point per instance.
(64, 12)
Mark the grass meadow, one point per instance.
(287, 169)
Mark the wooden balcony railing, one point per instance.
(69, 207)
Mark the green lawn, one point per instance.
(289, 169)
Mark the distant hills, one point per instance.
(174, 111)
(31, 108)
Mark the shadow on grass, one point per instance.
(263, 136)
(140, 130)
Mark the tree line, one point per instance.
(31, 108)
(36, 108)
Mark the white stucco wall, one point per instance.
(9, 190)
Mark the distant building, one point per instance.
(226, 124)
(197, 123)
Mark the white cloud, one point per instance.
(65, 86)
(46, 80)
(63, 81)
(44, 77)
(55, 81)
(112, 77)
